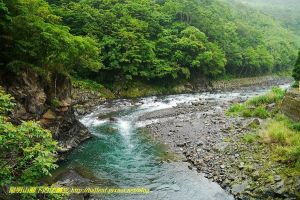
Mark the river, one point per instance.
(122, 154)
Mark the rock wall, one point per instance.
(291, 104)
(48, 101)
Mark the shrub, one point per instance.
(27, 151)
(295, 126)
(6, 102)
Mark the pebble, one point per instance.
(277, 178)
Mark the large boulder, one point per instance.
(291, 104)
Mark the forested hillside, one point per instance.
(109, 40)
(287, 11)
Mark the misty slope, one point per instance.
(285, 11)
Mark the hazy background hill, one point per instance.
(285, 11)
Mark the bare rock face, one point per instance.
(291, 104)
(28, 91)
(34, 98)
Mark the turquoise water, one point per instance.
(126, 159)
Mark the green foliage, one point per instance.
(27, 151)
(55, 103)
(296, 71)
(257, 106)
(295, 126)
(6, 102)
(287, 12)
(87, 84)
(39, 40)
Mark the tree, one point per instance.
(296, 71)
(38, 40)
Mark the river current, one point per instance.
(122, 155)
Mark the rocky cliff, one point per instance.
(291, 104)
(47, 100)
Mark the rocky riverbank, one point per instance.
(236, 83)
(214, 144)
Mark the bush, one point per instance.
(27, 151)
(296, 126)
(6, 102)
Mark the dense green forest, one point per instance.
(109, 40)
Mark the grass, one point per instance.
(257, 106)
(274, 96)
(250, 138)
(280, 133)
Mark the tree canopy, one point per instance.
(34, 37)
(110, 40)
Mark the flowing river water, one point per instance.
(122, 155)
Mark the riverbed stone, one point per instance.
(239, 188)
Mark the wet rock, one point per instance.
(113, 119)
